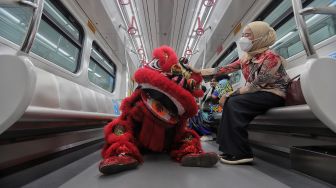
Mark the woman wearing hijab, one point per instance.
(265, 88)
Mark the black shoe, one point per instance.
(232, 159)
(200, 160)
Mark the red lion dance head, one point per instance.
(170, 87)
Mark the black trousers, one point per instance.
(238, 112)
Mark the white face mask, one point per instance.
(245, 44)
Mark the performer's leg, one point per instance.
(120, 152)
(188, 150)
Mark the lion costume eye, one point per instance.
(154, 64)
(183, 60)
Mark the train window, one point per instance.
(14, 22)
(62, 20)
(101, 69)
(59, 37)
(235, 77)
(229, 56)
(279, 10)
(320, 27)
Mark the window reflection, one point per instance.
(61, 19)
(320, 28)
(14, 23)
(101, 70)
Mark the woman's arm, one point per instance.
(204, 72)
(233, 67)
(219, 70)
(208, 71)
(222, 100)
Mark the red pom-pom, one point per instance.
(166, 56)
(198, 93)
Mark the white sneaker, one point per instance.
(233, 160)
(206, 138)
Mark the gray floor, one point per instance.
(159, 171)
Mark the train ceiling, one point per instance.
(183, 24)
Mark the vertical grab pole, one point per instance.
(127, 67)
(204, 55)
(302, 29)
(33, 27)
(205, 49)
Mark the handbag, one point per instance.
(294, 93)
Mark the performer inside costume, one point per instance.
(155, 117)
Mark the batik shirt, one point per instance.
(264, 72)
(223, 87)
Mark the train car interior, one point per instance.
(67, 65)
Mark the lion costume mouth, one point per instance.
(161, 105)
(161, 91)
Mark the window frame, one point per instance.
(284, 18)
(231, 48)
(53, 23)
(287, 15)
(97, 47)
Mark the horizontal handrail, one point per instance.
(21, 2)
(42, 113)
(319, 10)
(9, 2)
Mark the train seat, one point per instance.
(284, 113)
(319, 92)
(318, 88)
(17, 83)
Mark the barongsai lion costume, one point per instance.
(155, 117)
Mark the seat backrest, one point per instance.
(17, 84)
(319, 90)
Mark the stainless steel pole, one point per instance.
(302, 29)
(34, 24)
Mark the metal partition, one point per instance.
(33, 27)
(299, 14)
(15, 100)
(302, 29)
(317, 70)
(37, 6)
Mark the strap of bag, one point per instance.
(295, 77)
(291, 80)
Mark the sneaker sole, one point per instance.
(205, 160)
(241, 161)
(112, 169)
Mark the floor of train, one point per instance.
(158, 171)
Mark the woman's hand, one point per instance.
(243, 90)
(222, 100)
(203, 72)
(193, 69)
